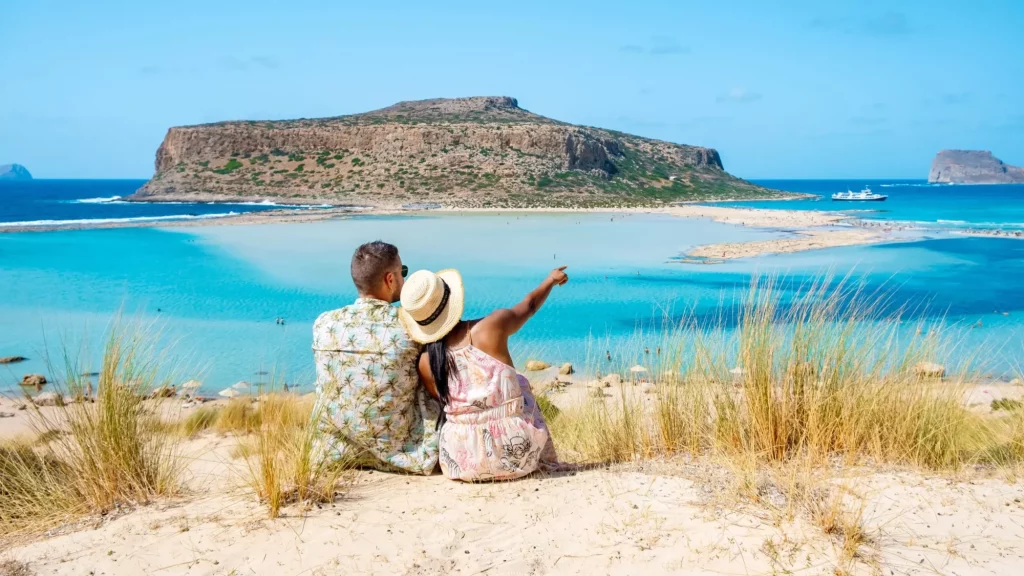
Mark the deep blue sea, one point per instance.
(48, 202)
(213, 293)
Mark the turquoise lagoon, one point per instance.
(213, 293)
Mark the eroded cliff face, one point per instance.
(461, 152)
(972, 167)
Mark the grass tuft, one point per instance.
(200, 420)
(282, 459)
(15, 568)
(97, 456)
(843, 521)
(547, 408)
(238, 416)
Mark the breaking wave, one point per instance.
(33, 223)
(110, 200)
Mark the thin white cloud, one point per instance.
(264, 61)
(867, 120)
(738, 95)
(885, 24)
(659, 46)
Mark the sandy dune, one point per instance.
(674, 517)
(597, 522)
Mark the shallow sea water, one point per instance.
(213, 293)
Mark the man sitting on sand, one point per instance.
(373, 409)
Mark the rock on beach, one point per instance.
(929, 370)
(48, 399)
(33, 381)
(611, 380)
(164, 392)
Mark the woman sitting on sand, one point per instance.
(491, 427)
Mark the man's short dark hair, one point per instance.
(370, 263)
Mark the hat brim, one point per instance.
(446, 321)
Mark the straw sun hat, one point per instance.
(431, 304)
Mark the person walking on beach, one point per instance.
(373, 410)
(491, 426)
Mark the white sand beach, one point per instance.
(651, 518)
(675, 516)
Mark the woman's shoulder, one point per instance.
(489, 333)
(496, 319)
(485, 325)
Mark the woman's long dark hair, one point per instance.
(441, 365)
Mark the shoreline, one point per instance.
(281, 215)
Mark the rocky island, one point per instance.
(463, 152)
(14, 172)
(973, 167)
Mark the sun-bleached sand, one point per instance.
(798, 242)
(678, 516)
(758, 217)
(805, 230)
(653, 518)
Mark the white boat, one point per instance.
(865, 195)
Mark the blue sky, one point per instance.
(799, 89)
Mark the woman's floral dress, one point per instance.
(374, 409)
(494, 429)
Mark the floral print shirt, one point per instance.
(372, 404)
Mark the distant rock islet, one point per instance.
(972, 167)
(14, 172)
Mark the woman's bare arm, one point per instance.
(510, 320)
(423, 367)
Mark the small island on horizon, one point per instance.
(477, 152)
(972, 167)
(14, 172)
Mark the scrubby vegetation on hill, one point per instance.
(463, 152)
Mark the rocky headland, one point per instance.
(14, 172)
(464, 152)
(973, 167)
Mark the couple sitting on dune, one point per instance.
(405, 389)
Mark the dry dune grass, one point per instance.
(278, 432)
(282, 457)
(823, 373)
(197, 421)
(827, 383)
(14, 568)
(241, 415)
(98, 456)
